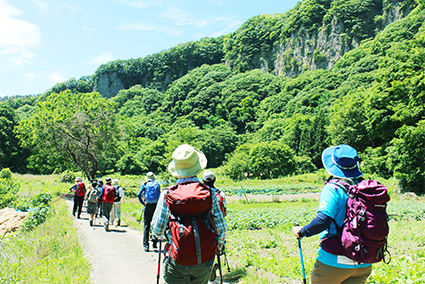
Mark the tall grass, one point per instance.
(50, 253)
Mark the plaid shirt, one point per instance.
(161, 217)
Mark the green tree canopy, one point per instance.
(75, 129)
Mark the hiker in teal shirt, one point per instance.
(340, 162)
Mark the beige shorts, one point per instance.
(325, 274)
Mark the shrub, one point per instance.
(67, 177)
(8, 190)
(6, 173)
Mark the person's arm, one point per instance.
(101, 193)
(329, 205)
(160, 218)
(89, 188)
(140, 194)
(320, 223)
(220, 223)
(73, 188)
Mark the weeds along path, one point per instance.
(116, 256)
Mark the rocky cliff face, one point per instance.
(303, 51)
(108, 84)
(289, 58)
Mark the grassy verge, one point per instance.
(47, 253)
(50, 253)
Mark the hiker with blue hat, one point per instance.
(341, 162)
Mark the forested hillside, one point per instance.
(261, 102)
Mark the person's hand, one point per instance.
(296, 231)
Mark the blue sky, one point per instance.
(43, 42)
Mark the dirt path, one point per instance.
(117, 256)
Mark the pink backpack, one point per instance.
(363, 236)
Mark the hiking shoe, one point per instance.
(213, 272)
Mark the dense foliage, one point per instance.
(255, 124)
(70, 131)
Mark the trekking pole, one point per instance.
(62, 196)
(219, 267)
(302, 260)
(227, 262)
(159, 261)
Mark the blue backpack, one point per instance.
(152, 191)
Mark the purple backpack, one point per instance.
(363, 236)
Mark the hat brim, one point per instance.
(336, 171)
(189, 172)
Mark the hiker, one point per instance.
(208, 178)
(196, 225)
(148, 196)
(341, 162)
(116, 208)
(107, 196)
(80, 189)
(99, 202)
(91, 196)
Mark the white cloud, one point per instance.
(17, 37)
(58, 77)
(103, 58)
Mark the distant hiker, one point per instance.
(91, 196)
(196, 225)
(116, 208)
(208, 178)
(80, 189)
(99, 201)
(341, 162)
(107, 196)
(148, 196)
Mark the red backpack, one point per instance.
(108, 194)
(81, 189)
(191, 225)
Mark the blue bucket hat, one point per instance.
(341, 161)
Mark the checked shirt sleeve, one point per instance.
(220, 223)
(161, 217)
